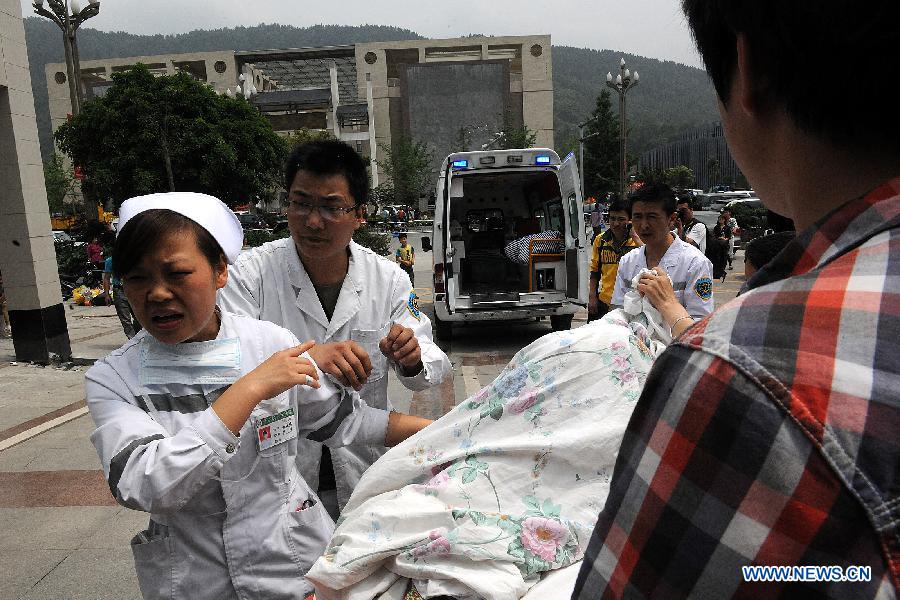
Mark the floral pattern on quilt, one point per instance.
(504, 487)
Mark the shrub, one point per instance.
(749, 217)
(379, 243)
(258, 237)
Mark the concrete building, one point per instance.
(704, 150)
(27, 255)
(436, 91)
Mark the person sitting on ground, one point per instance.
(652, 216)
(198, 416)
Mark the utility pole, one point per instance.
(581, 138)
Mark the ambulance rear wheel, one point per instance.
(443, 330)
(561, 322)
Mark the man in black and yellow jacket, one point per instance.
(617, 241)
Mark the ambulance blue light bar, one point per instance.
(460, 164)
(542, 159)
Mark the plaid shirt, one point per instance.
(769, 433)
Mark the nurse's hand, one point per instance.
(401, 346)
(280, 372)
(347, 361)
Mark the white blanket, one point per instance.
(506, 486)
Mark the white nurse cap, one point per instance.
(207, 211)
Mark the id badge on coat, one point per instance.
(275, 429)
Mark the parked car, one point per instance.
(252, 222)
(748, 202)
(720, 200)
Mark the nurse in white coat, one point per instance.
(360, 308)
(198, 417)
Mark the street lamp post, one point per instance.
(69, 15)
(623, 82)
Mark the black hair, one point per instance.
(777, 223)
(801, 54)
(324, 158)
(657, 193)
(618, 206)
(147, 229)
(760, 251)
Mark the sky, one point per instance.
(651, 28)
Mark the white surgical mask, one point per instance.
(193, 363)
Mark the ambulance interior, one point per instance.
(491, 215)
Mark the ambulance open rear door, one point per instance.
(576, 244)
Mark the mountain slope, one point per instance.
(670, 98)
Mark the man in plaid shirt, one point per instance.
(769, 432)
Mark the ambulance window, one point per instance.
(574, 216)
(554, 217)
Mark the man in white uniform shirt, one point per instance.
(652, 217)
(687, 227)
(359, 307)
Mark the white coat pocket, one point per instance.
(153, 562)
(369, 340)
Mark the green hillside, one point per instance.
(670, 98)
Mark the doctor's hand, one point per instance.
(347, 361)
(401, 346)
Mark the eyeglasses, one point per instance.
(328, 213)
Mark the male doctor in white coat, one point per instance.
(359, 307)
(652, 215)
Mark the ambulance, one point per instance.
(509, 239)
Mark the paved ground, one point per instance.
(62, 535)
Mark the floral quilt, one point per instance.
(507, 485)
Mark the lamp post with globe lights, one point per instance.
(623, 82)
(69, 15)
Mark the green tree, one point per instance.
(463, 141)
(60, 183)
(601, 149)
(679, 177)
(513, 135)
(151, 134)
(377, 242)
(407, 167)
(650, 176)
(303, 135)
